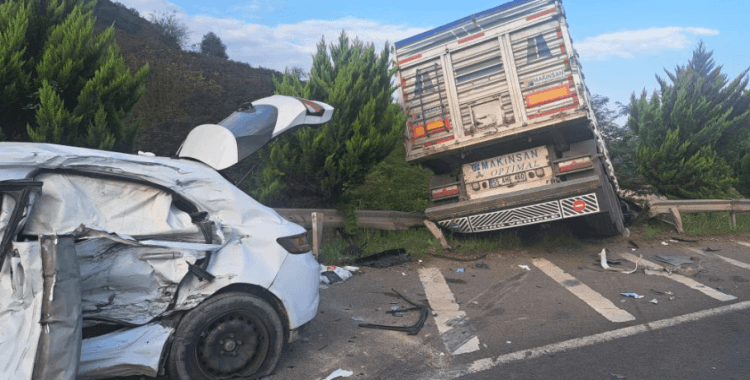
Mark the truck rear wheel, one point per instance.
(609, 221)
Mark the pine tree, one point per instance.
(211, 45)
(323, 162)
(62, 82)
(621, 143)
(694, 132)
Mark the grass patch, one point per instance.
(330, 252)
(716, 223)
(654, 228)
(417, 242)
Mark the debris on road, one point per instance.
(524, 267)
(339, 373)
(684, 240)
(709, 249)
(332, 274)
(396, 311)
(675, 260)
(411, 330)
(604, 263)
(664, 243)
(632, 295)
(460, 270)
(654, 301)
(385, 259)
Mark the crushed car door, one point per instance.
(40, 308)
(134, 243)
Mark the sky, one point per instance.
(622, 44)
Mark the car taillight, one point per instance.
(295, 244)
(445, 192)
(578, 163)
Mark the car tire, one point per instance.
(230, 335)
(609, 221)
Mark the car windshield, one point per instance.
(253, 127)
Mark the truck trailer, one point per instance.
(498, 109)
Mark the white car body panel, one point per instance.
(129, 352)
(248, 253)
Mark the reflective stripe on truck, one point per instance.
(525, 215)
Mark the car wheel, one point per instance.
(231, 335)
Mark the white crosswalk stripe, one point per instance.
(726, 259)
(602, 305)
(711, 292)
(452, 323)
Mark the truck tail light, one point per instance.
(444, 192)
(576, 164)
(295, 244)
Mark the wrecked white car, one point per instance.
(118, 264)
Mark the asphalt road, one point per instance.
(562, 318)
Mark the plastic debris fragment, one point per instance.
(633, 295)
(524, 267)
(332, 274)
(339, 373)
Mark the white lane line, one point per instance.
(452, 323)
(743, 243)
(711, 254)
(554, 348)
(689, 282)
(602, 305)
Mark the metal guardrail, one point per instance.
(374, 219)
(693, 206)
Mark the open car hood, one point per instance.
(250, 128)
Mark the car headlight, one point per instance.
(295, 244)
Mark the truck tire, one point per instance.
(231, 335)
(609, 221)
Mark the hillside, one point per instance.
(184, 89)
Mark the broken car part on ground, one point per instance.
(117, 264)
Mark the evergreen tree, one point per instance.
(62, 82)
(325, 161)
(694, 132)
(621, 143)
(211, 45)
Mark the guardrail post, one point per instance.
(677, 219)
(438, 234)
(317, 232)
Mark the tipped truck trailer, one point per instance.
(498, 110)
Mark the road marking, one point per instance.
(711, 292)
(711, 254)
(554, 348)
(602, 305)
(743, 243)
(453, 325)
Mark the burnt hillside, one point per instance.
(183, 89)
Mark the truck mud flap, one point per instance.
(525, 215)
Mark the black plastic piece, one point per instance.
(411, 330)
